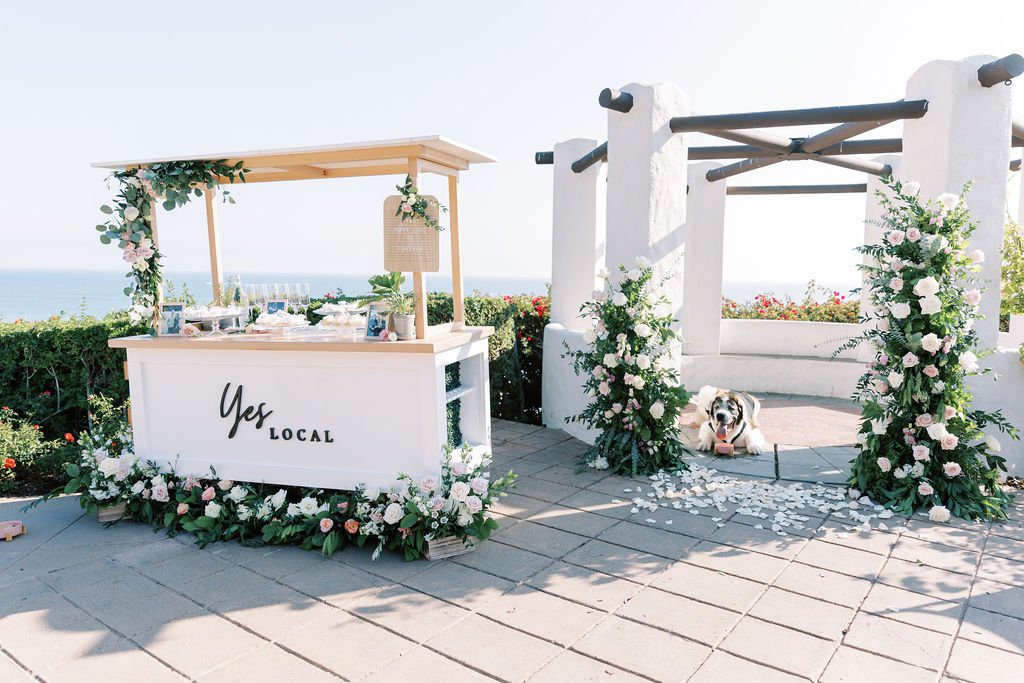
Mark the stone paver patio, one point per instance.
(573, 587)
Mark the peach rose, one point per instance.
(352, 526)
(326, 524)
(208, 493)
(182, 508)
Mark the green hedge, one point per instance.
(49, 368)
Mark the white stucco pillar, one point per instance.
(874, 213)
(647, 184)
(964, 136)
(702, 269)
(577, 235)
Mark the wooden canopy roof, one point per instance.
(435, 154)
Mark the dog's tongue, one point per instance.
(720, 433)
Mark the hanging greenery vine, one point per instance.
(130, 218)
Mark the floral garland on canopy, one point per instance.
(130, 222)
(403, 518)
(921, 442)
(631, 377)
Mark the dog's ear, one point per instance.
(740, 404)
(753, 408)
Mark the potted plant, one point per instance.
(403, 314)
(388, 288)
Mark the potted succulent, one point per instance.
(403, 314)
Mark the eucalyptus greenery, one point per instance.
(129, 222)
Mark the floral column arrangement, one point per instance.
(631, 376)
(921, 442)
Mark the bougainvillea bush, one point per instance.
(631, 377)
(402, 518)
(29, 462)
(921, 441)
(819, 304)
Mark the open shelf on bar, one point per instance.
(458, 392)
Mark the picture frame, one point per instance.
(275, 305)
(376, 319)
(172, 319)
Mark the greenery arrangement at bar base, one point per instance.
(631, 376)
(129, 222)
(922, 444)
(402, 518)
(415, 205)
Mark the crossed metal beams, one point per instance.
(758, 148)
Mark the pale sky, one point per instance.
(86, 82)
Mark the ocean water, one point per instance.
(36, 294)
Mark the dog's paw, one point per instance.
(703, 445)
(755, 448)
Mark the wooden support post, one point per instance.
(458, 305)
(419, 286)
(155, 322)
(213, 232)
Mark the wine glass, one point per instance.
(304, 295)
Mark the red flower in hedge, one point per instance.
(69, 437)
(9, 463)
(46, 393)
(35, 427)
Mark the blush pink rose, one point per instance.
(913, 234)
(949, 442)
(182, 508)
(921, 453)
(950, 412)
(923, 420)
(895, 238)
(930, 371)
(925, 489)
(208, 494)
(952, 469)
(326, 524)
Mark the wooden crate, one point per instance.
(449, 546)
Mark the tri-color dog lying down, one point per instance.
(728, 417)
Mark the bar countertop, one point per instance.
(306, 340)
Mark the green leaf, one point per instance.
(104, 239)
(205, 522)
(72, 486)
(106, 209)
(409, 520)
(72, 469)
(169, 205)
(101, 228)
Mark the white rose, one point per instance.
(474, 504)
(993, 444)
(393, 513)
(643, 361)
(130, 213)
(900, 310)
(910, 360)
(926, 286)
(460, 490)
(589, 336)
(212, 509)
(978, 256)
(911, 188)
(879, 426)
(643, 330)
(372, 493)
(642, 262)
(936, 430)
(938, 513)
(930, 305)
(109, 466)
(657, 410)
(309, 506)
(610, 360)
(968, 361)
(619, 299)
(237, 494)
(895, 379)
(479, 485)
(137, 487)
(948, 200)
(931, 342)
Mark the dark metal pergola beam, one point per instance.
(616, 100)
(863, 165)
(746, 190)
(832, 136)
(1001, 71)
(742, 167)
(704, 153)
(889, 111)
(594, 156)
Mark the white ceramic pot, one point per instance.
(405, 326)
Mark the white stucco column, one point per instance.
(577, 234)
(874, 213)
(964, 136)
(647, 184)
(702, 269)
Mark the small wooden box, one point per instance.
(449, 546)
(725, 449)
(110, 513)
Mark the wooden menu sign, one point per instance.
(409, 245)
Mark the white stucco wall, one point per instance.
(561, 390)
(787, 338)
(704, 247)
